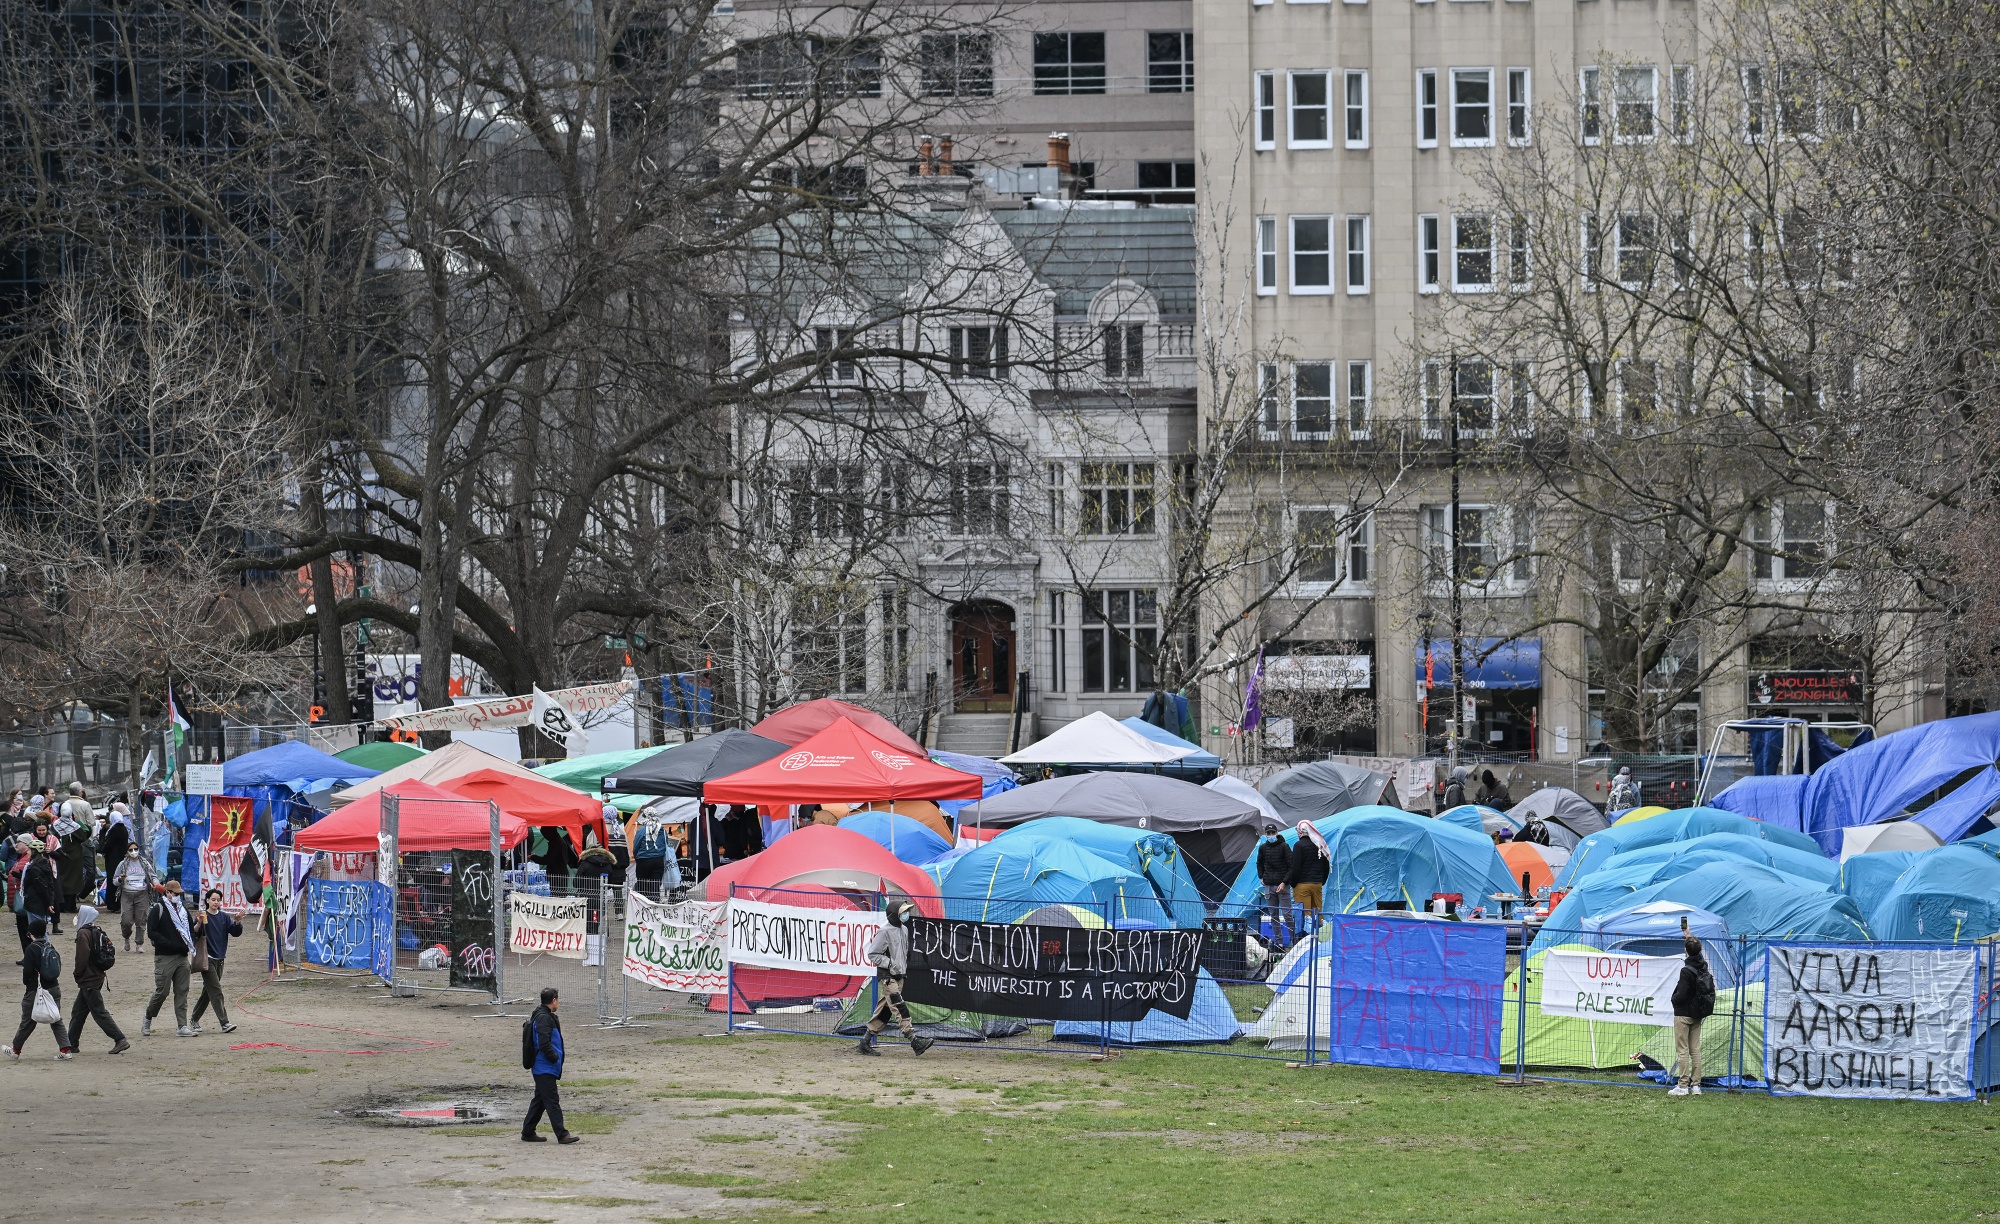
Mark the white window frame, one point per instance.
(1589, 106)
(1492, 250)
(1292, 265)
(1619, 246)
(1525, 107)
(1267, 256)
(1437, 534)
(1308, 1)
(1292, 108)
(1332, 401)
(1755, 80)
(1354, 114)
(1777, 540)
(1360, 398)
(1430, 253)
(1472, 142)
(1357, 531)
(1264, 109)
(1590, 251)
(1427, 111)
(1355, 246)
(1272, 412)
(1651, 104)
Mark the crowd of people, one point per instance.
(53, 853)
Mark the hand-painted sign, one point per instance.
(547, 924)
(1610, 986)
(1871, 1021)
(472, 950)
(350, 925)
(677, 947)
(1052, 972)
(799, 937)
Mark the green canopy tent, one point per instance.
(586, 773)
(383, 755)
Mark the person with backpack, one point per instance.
(1624, 791)
(41, 974)
(135, 877)
(40, 894)
(212, 931)
(167, 926)
(1694, 1002)
(94, 958)
(1312, 862)
(542, 1055)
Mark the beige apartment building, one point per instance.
(1339, 141)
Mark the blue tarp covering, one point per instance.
(1386, 854)
(1472, 817)
(1951, 893)
(1211, 1019)
(1681, 825)
(1019, 872)
(300, 767)
(1877, 781)
(1754, 900)
(1952, 816)
(912, 841)
(1489, 663)
(1777, 800)
(1867, 877)
(1767, 748)
(1804, 864)
(1156, 856)
(993, 779)
(1200, 760)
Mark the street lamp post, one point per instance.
(1453, 730)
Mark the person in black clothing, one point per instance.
(742, 833)
(40, 894)
(1307, 875)
(1694, 1002)
(213, 929)
(1493, 792)
(41, 969)
(1274, 861)
(172, 937)
(548, 1041)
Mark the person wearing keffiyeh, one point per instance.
(1311, 861)
(172, 939)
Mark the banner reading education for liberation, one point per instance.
(547, 924)
(1870, 1021)
(677, 947)
(1052, 972)
(797, 937)
(1611, 986)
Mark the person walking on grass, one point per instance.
(212, 932)
(94, 956)
(167, 925)
(1694, 1002)
(543, 1056)
(134, 877)
(889, 952)
(41, 970)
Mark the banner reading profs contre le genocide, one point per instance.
(1870, 1021)
(1052, 972)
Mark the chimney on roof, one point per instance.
(944, 155)
(1059, 151)
(923, 156)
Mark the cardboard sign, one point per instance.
(1879, 1021)
(547, 924)
(797, 937)
(1612, 986)
(677, 947)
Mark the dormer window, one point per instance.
(1124, 349)
(828, 341)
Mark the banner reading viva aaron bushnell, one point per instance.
(1870, 1021)
(1052, 972)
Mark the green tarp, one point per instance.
(382, 756)
(937, 1023)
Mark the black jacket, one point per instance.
(1309, 866)
(161, 931)
(216, 928)
(1274, 861)
(32, 966)
(1694, 994)
(38, 887)
(742, 835)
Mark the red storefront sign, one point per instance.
(1812, 688)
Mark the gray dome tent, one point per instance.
(1568, 816)
(1319, 789)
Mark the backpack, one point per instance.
(51, 966)
(102, 954)
(528, 1044)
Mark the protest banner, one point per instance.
(222, 868)
(677, 947)
(1881, 1021)
(547, 924)
(350, 865)
(1053, 972)
(350, 925)
(1612, 986)
(798, 937)
(472, 950)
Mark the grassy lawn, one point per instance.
(1163, 1137)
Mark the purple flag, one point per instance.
(1253, 697)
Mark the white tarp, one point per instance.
(797, 937)
(677, 946)
(584, 705)
(1870, 1020)
(1614, 986)
(547, 924)
(1097, 739)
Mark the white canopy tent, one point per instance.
(1097, 739)
(1889, 835)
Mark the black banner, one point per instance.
(1052, 972)
(472, 951)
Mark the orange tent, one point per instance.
(1536, 861)
(923, 811)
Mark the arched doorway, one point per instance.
(983, 658)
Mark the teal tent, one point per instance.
(1387, 854)
(1211, 1021)
(1685, 824)
(1022, 871)
(1951, 893)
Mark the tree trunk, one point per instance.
(333, 655)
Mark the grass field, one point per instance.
(1165, 1137)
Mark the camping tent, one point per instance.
(1568, 816)
(796, 724)
(427, 819)
(1637, 814)
(685, 769)
(454, 760)
(1951, 894)
(1200, 763)
(1141, 801)
(1867, 878)
(1387, 854)
(922, 811)
(909, 840)
(824, 856)
(276, 780)
(537, 800)
(1098, 739)
(1756, 901)
(1237, 788)
(1682, 824)
(1880, 780)
(842, 764)
(936, 1023)
(1210, 1021)
(380, 755)
(1887, 836)
(755, 986)
(1478, 818)
(1802, 864)
(994, 777)
(1154, 855)
(1023, 871)
(1538, 863)
(1654, 929)
(1319, 789)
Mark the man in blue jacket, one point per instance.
(548, 1072)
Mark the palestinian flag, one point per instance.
(176, 737)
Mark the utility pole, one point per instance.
(1453, 729)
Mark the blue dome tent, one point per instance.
(1792, 861)
(1211, 1021)
(1754, 901)
(1387, 854)
(1684, 824)
(1653, 928)
(912, 841)
(1156, 856)
(1019, 872)
(1952, 894)
(276, 780)
(1480, 819)
(1867, 878)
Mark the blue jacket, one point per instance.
(548, 1043)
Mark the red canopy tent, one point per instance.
(842, 764)
(427, 818)
(794, 725)
(535, 800)
(830, 857)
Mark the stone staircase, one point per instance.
(979, 734)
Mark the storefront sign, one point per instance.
(1873, 1021)
(1810, 688)
(677, 947)
(798, 937)
(1052, 973)
(1314, 672)
(1611, 986)
(547, 924)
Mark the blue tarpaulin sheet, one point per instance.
(1877, 781)
(1410, 992)
(1774, 800)
(350, 924)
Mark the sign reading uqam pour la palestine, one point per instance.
(1614, 986)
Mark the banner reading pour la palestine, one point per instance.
(1051, 972)
(677, 946)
